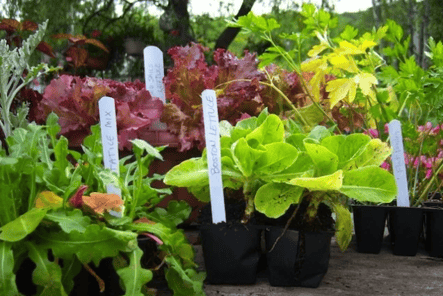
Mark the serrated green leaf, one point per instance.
(183, 281)
(70, 220)
(134, 277)
(46, 274)
(96, 243)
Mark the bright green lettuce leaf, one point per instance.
(8, 286)
(375, 153)
(277, 157)
(201, 193)
(245, 156)
(302, 167)
(225, 128)
(190, 173)
(319, 132)
(370, 183)
(47, 274)
(323, 183)
(69, 220)
(334, 143)
(274, 199)
(96, 243)
(296, 140)
(347, 148)
(134, 277)
(270, 131)
(343, 226)
(25, 224)
(326, 162)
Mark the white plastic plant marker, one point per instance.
(212, 138)
(108, 127)
(398, 163)
(154, 71)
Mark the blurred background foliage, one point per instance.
(167, 23)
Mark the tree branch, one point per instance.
(229, 34)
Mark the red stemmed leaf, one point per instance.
(76, 200)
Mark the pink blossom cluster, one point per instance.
(426, 164)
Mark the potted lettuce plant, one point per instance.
(277, 165)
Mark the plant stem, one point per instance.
(249, 198)
(286, 227)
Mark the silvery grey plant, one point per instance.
(13, 63)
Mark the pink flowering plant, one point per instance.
(423, 147)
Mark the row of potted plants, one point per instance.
(291, 171)
(277, 165)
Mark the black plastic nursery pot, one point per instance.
(405, 226)
(434, 232)
(298, 259)
(231, 253)
(369, 225)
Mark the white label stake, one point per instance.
(108, 127)
(398, 163)
(154, 72)
(212, 138)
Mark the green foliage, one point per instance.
(277, 168)
(37, 161)
(134, 276)
(7, 276)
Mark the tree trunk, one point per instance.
(411, 25)
(424, 34)
(376, 12)
(229, 34)
(175, 21)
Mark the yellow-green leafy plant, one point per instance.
(345, 66)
